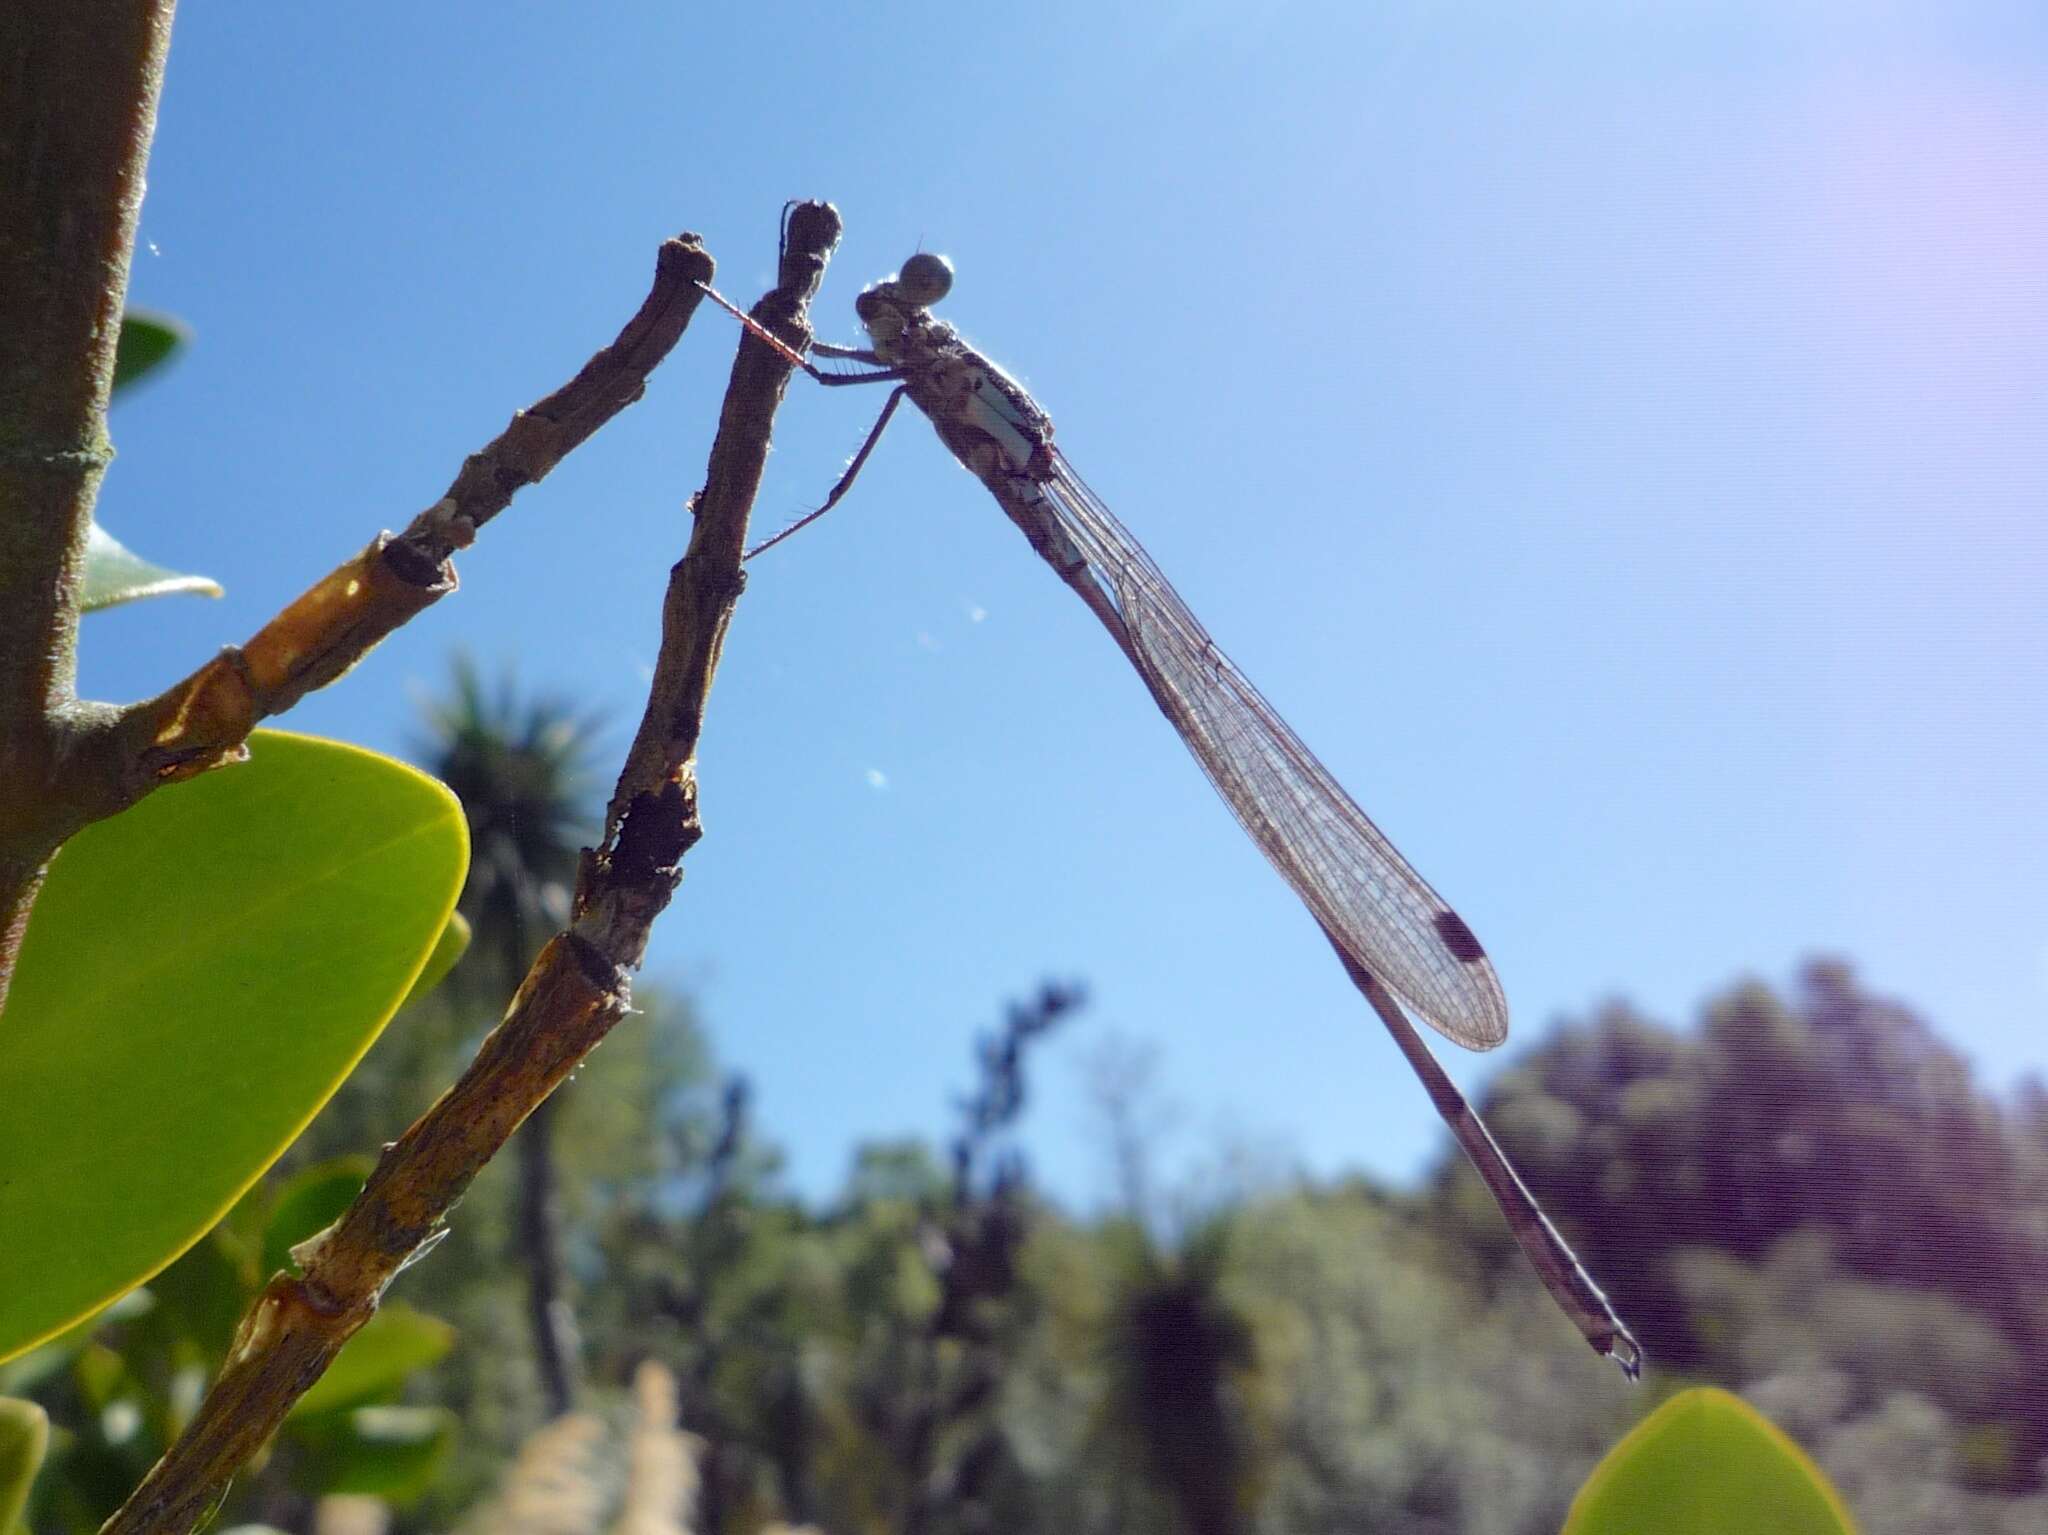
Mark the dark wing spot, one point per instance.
(1458, 938)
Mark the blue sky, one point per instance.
(1613, 440)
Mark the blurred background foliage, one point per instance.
(1804, 1198)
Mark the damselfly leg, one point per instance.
(847, 353)
(845, 480)
(796, 359)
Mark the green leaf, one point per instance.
(27, 1371)
(100, 1375)
(313, 1200)
(448, 948)
(148, 340)
(24, 1436)
(203, 1294)
(199, 975)
(1707, 1463)
(115, 574)
(387, 1452)
(390, 1346)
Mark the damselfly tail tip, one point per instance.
(1623, 1349)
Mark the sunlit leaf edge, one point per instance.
(447, 953)
(1579, 1520)
(116, 574)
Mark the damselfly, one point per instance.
(1399, 941)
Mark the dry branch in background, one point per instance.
(661, 1471)
(550, 1488)
(351, 1513)
(578, 986)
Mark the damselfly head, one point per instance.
(885, 307)
(926, 278)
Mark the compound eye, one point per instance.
(925, 279)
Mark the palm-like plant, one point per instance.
(521, 767)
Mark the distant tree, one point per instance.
(949, 1438)
(1396, 1389)
(1181, 1351)
(1837, 1115)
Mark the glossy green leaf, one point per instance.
(115, 574)
(24, 1437)
(203, 1294)
(148, 340)
(25, 1372)
(199, 975)
(448, 948)
(101, 1376)
(387, 1452)
(390, 1346)
(311, 1202)
(1707, 1463)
